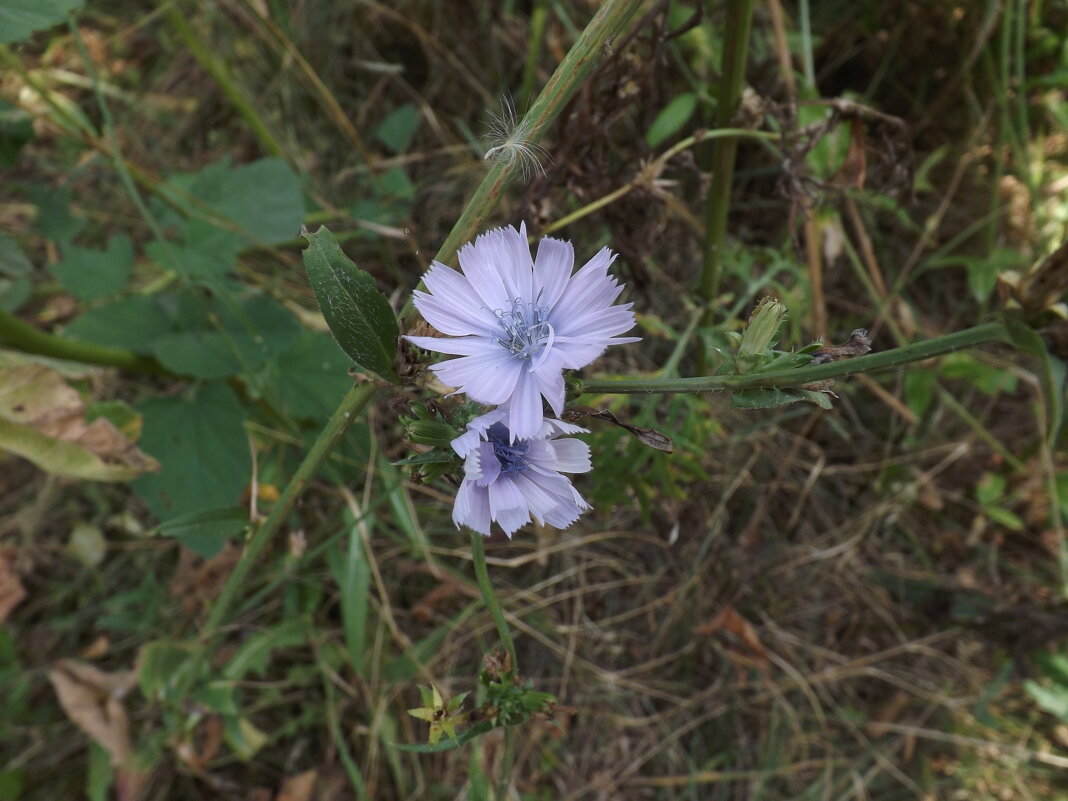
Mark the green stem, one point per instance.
(968, 338)
(584, 56)
(24, 337)
(350, 407)
(538, 18)
(238, 97)
(478, 556)
(732, 80)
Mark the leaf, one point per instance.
(398, 128)
(220, 341)
(770, 398)
(298, 788)
(206, 532)
(203, 452)
(20, 18)
(53, 211)
(160, 664)
(242, 737)
(450, 744)
(1051, 375)
(1053, 699)
(358, 314)
(135, 323)
(92, 699)
(309, 377)
(16, 129)
(261, 200)
(671, 118)
(44, 420)
(13, 261)
(254, 654)
(88, 274)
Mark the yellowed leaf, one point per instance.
(42, 419)
(92, 699)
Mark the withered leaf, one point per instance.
(649, 437)
(43, 419)
(858, 344)
(12, 592)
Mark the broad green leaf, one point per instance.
(226, 341)
(358, 314)
(310, 376)
(16, 129)
(1054, 665)
(218, 696)
(987, 378)
(88, 274)
(261, 202)
(20, 18)
(134, 323)
(206, 532)
(14, 292)
(671, 119)
(1051, 374)
(201, 445)
(398, 128)
(199, 262)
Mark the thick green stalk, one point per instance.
(24, 337)
(611, 19)
(968, 338)
(732, 81)
(478, 556)
(335, 429)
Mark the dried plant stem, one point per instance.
(731, 82)
(798, 376)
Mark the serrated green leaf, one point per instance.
(20, 18)
(671, 118)
(88, 274)
(358, 314)
(202, 449)
(134, 323)
(206, 532)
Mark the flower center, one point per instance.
(512, 456)
(526, 327)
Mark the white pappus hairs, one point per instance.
(511, 141)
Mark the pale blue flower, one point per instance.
(517, 323)
(509, 480)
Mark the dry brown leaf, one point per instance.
(92, 699)
(738, 629)
(12, 592)
(198, 581)
(299, 787)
